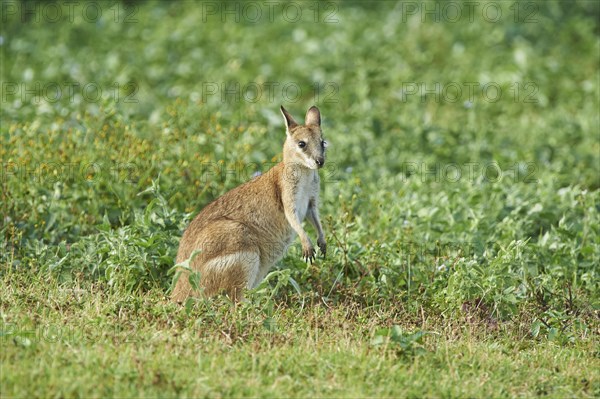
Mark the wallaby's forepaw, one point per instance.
(308, 253)
(322, 246)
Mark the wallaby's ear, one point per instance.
(313, 116)
(289, 120)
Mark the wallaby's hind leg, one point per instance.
(182, 289)
(228, 260)
(231, 273)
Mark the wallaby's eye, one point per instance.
(301, 144)
(324, 144)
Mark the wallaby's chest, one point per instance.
(307, 187)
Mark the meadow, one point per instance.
(460, 198)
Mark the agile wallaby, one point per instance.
(241, 234)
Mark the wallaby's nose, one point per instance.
(320, 161)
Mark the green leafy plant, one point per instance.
(403, 343)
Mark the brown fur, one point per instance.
(241, 234)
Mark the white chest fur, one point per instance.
(307, 188)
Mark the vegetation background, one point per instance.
(460, 198)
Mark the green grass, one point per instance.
(96, 344)
(463, 231)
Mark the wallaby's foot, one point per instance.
(322, 246)
(236, 294)
(308, 253)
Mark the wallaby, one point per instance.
(241, 234)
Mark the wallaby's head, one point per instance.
(304, 144)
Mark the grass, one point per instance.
(96, 344)
(463, 238)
